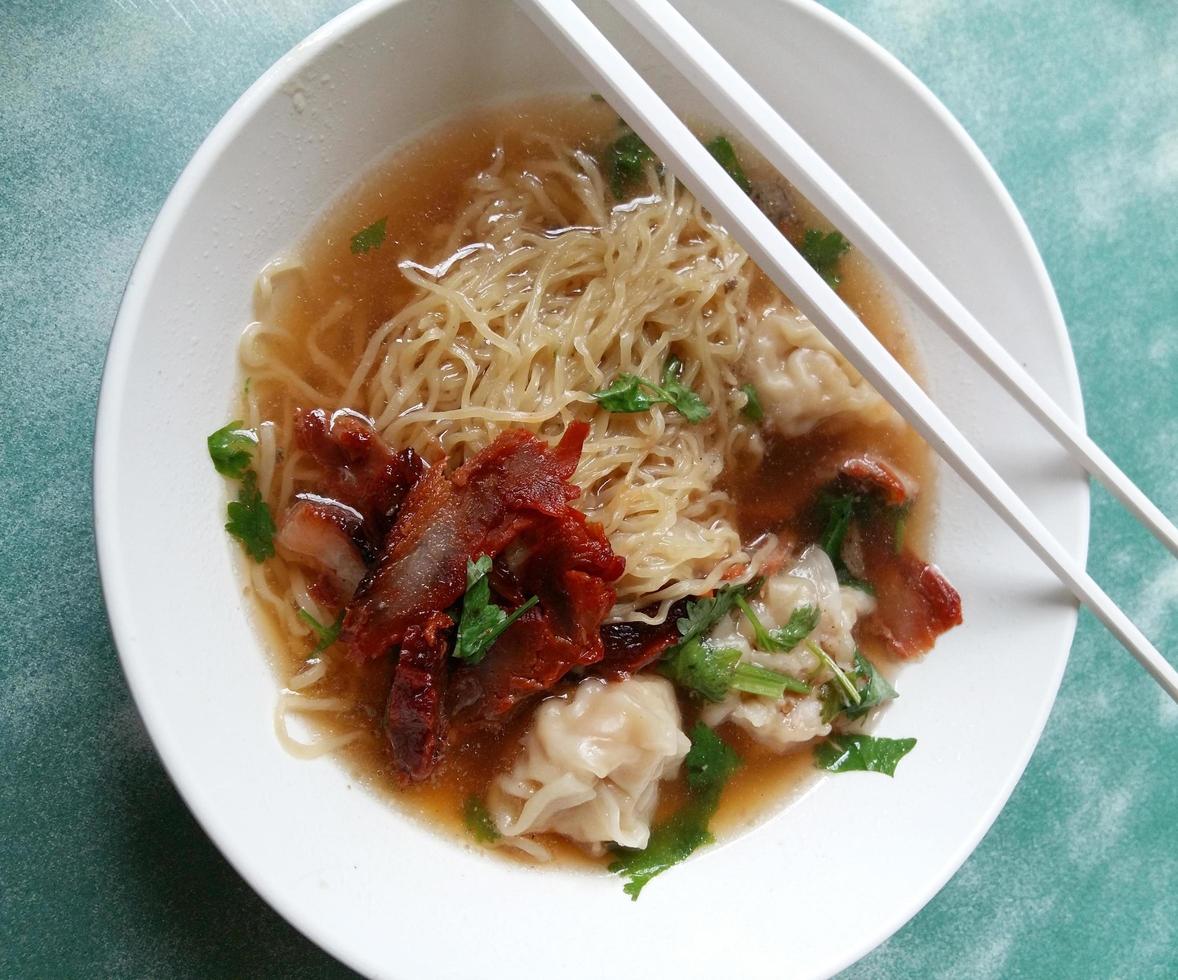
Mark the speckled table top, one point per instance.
(103, 872)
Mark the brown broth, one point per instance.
(419, 188)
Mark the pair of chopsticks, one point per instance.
(757, 122)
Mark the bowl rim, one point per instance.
(116, 363)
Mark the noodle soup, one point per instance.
(566, 529)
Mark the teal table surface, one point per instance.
(103, 872)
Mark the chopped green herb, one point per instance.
(851, 582)
(597, 97)
(710, 764)
(875, 689)
(872, 686)
(478, 821)
(801, 624)
(327, 634)
(833, 702)
(706, 670)
(366, 239)
(840, 508)
(862, 753)
(630, 393)
(232, 449)
(712, 672)
(823, 251)
(250, 521)
(900, 525)
(725, 155)
(850, 691)
(685, 401)
(752, 405)
(766, 683)
(482, 622)
(625, 159)
(701, 615)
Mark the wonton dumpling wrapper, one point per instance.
(591, 764)
(812, 581)
(802, 380)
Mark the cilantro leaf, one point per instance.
(823, 251)
(671, 842)
(478, 821)
(710, 764)
(482, 622)
(712, 672)
(752, 409)
(366, 239)
(701, 668)
(630, 393)
(766, 683)
(862, 753)
(874, 691)
(801, 624)
(625, 159)
(850, 692)
(725, 155)
(702, 614)
(250, 521)
(232, 449)
(327, 634)
(840, 509)
(681, 398)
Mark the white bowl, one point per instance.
(811, 889)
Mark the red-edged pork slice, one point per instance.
(360, 470)
(914, 602)
(447, 520)
(414, 716)
(324, 534)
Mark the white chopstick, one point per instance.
(750, 115)
(574, 34)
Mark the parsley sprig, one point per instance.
(250, 521)
(231, 449)
(482, 622)
(625, 159)
(751, 409)
(710, 671)
(801, 623)
(725, 155)
(710, 764)
(327, 635)
(630, 393)
(478, 821)
(872, 687)
(841, 509)
(823, 251)
(862, 753)
(372, 237)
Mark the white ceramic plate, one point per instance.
(811, 889)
